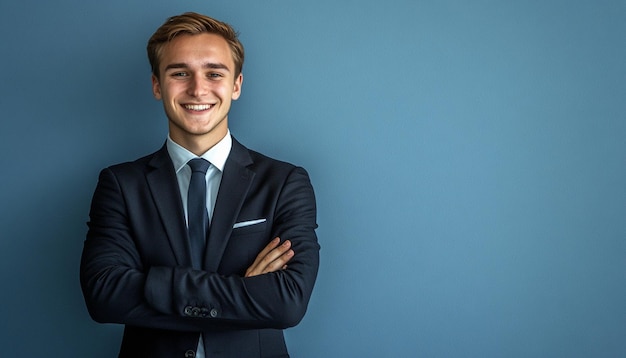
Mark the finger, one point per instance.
(270, 259)
(273, 261)
(258, 265)
(266, 250)
(279, 263)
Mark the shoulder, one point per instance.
(261, 163)
(286, 177)
(142, 165)
(262, 160)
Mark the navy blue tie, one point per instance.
(197, 216)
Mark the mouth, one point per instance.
(197, 107)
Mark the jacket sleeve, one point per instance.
(112, 274)
(118, 288)
(274, 300)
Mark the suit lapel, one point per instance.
(163, 185)
(236, 180)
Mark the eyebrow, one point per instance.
(208, 65)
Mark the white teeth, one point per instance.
(198, 107)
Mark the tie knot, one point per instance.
(199, 165)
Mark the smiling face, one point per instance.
(197, 84)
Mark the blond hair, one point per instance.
(191, 23)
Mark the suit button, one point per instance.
(213, 313)
(188, 311)
(190, 354)
(195, 312)
(204, 312)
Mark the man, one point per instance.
(230, 290)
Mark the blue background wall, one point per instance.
(469, 159)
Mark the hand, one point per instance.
(272, 258)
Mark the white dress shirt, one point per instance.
(217, 156)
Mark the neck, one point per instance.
(198, 144)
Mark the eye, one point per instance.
(179, 74)
(214, 75)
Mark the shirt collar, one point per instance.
(217, 155)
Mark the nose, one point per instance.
(197, 86)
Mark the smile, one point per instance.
(197, 107)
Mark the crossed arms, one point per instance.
(122, 285)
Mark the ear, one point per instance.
(237, 88)
(156, 88)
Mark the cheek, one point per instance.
(224, 92)
(172, 95)
(172, 88)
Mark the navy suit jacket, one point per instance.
(136, 261)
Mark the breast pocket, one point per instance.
(249, 224)
(245, 243)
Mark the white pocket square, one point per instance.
(248, 223)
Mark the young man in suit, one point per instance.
(231, 290)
